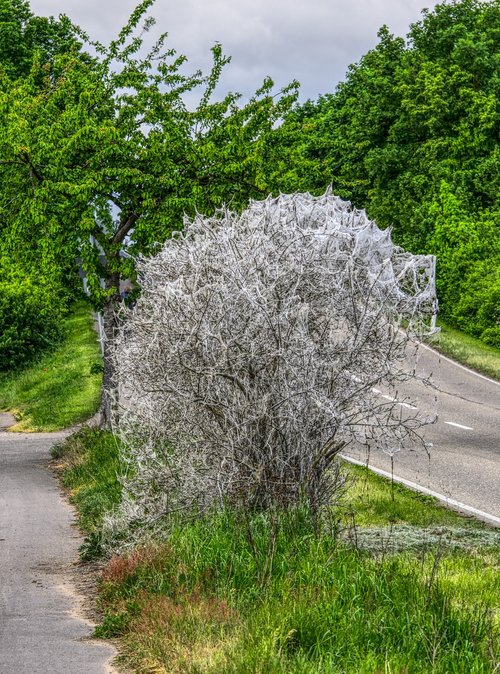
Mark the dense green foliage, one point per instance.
(108, 148)
(31, 321)
(36, 285)
(412, 135)
(214, 599)
(22, 34)
(61, 387)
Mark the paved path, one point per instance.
(464, 462)
(40, 629)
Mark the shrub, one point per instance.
(30, 319)
(249, 360)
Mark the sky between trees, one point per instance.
(313, 41)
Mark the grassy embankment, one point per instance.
(60, 389)
(467, 350)
(409, 587)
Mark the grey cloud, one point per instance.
(312, 41)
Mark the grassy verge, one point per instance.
(405, 587)
(373, 501)
(467, 350)
(60, 389)
(88, 464)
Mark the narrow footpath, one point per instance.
(41, 631)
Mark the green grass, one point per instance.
(198, 604)
(88, 464)
(206, 601)
(374, 501)
(61, 388)
(467, 350)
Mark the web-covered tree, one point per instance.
(249, 360)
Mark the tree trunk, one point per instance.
(109, 394)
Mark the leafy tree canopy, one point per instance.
(22, 34)
(411, 119)
(108, 148)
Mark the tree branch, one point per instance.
(34, 173)
(125, 227)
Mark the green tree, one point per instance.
(30, 320)
(410, 117)
(104, 155)
(467, 247)
(22, 34)
(34, 291)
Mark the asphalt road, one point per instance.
(41, 631)
(464, 461)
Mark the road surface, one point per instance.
(464, 461)
(40, 629)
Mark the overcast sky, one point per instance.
(312, 41)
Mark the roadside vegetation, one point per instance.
(467, 350)
(246, 379)
(392, 583)
(62, 387)
(88, 463)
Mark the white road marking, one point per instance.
(452, 423)
(456, 505)
(378, 391)
(408, 406)
(395, 400)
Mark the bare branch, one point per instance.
(126, 226)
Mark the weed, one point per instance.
(113, 624)
(89, 464)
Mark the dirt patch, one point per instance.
(6, 421)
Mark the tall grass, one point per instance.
(198, 604)
(88, 463)
(62, 387)
(215, 598)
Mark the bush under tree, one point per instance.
(30, 319)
